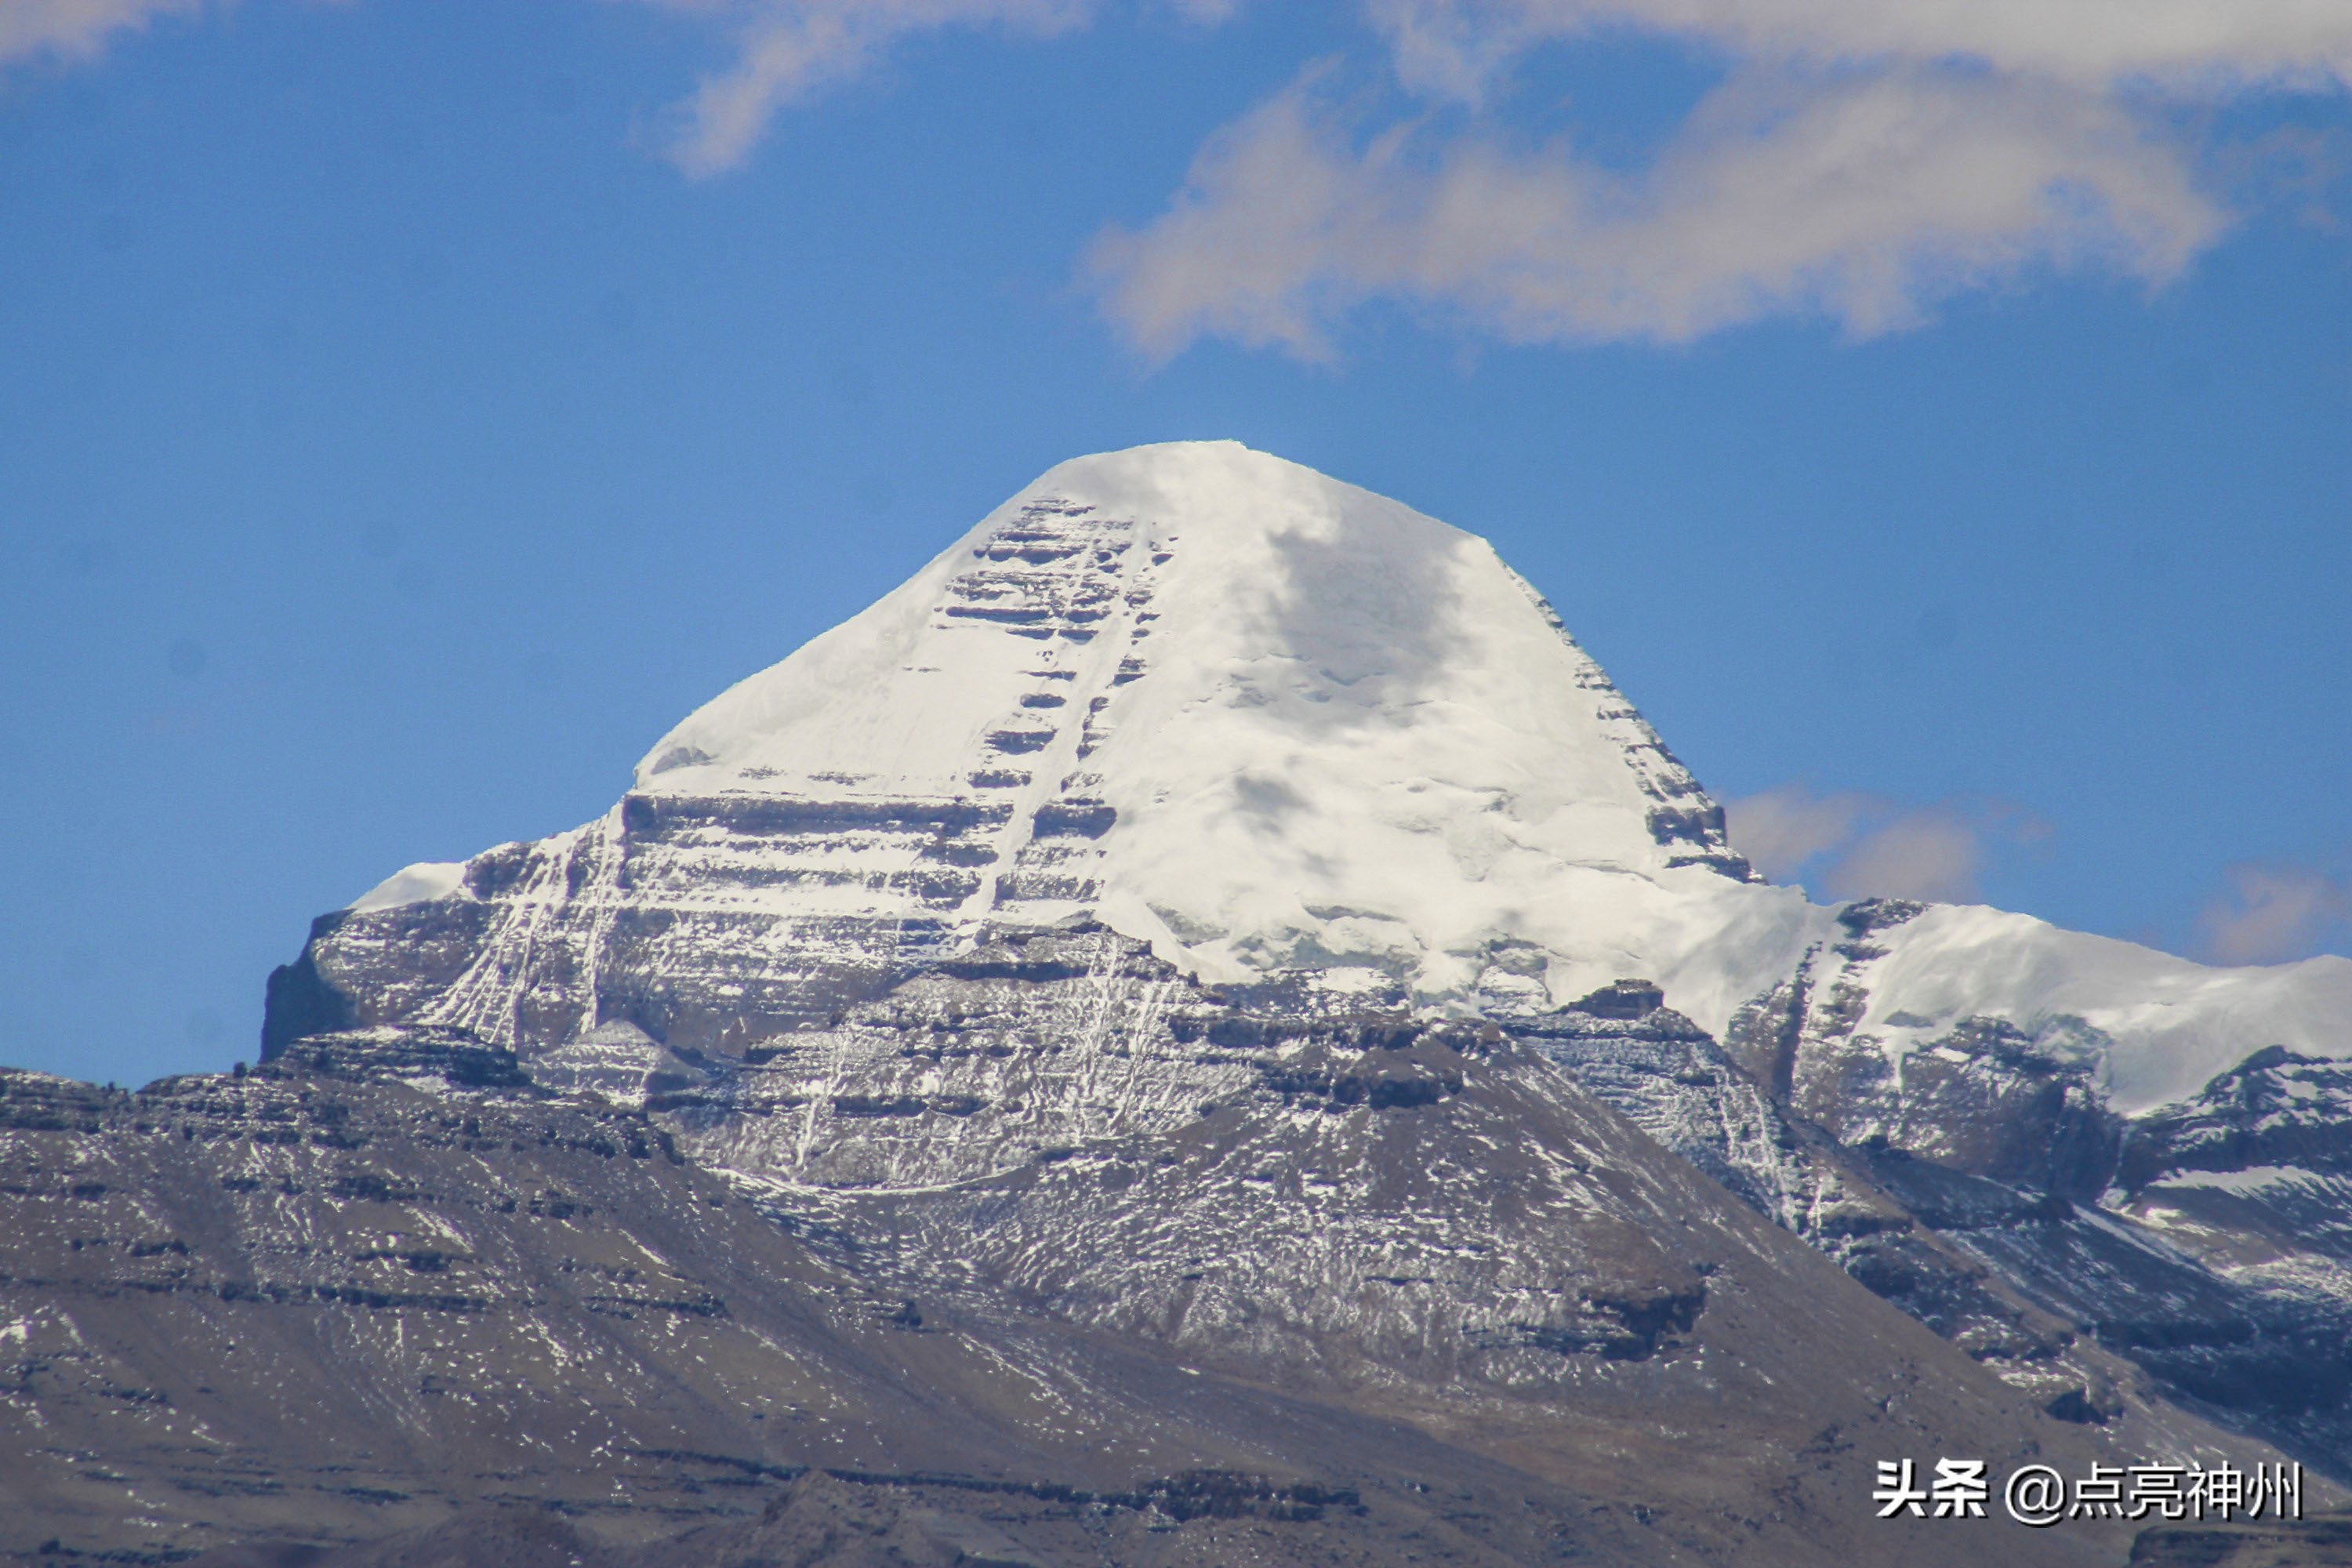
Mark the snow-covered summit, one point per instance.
(1277, 726)
(1260, 718)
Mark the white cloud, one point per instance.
(1854, 846)
(1864, 200)
(1849, 845)
(1861, 161)
(2200, 45)
(1934, 854)
(1459, 47)
(75, 28)
(791, 50)
(786, 50)
(2272, 913)
(1782, 829)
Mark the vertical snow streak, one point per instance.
(1088, 647)
(489, 998)
(612, 854)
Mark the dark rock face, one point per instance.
(2205, 1242)
(2250, 1182)
(2275, 1109)
(2002, 1146)
(1982, 1097)
(1667, 1076)
(1626, 999)
(2208, 1276)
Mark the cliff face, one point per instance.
(1264, 722)
(1285, 732)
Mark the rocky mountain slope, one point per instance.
(1203, 992)
(385, 1279)
(1409, 1294)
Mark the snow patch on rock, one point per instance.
(417, 884)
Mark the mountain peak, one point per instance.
(1242, 709)
(1222, 908)
(1282, 730)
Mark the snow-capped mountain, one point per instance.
(1191, 780)
(1202, 1026)
(1275, 726)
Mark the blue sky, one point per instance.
(407, 412)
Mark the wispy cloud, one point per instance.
(1783, 830)
(791, 50)
(1461, 47)
(1935, 852)
(1851, 844)
(786, 52)
(1862, 200)
(1860, 162)
(72, 28)
(1855, 846)
(2273, 913)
